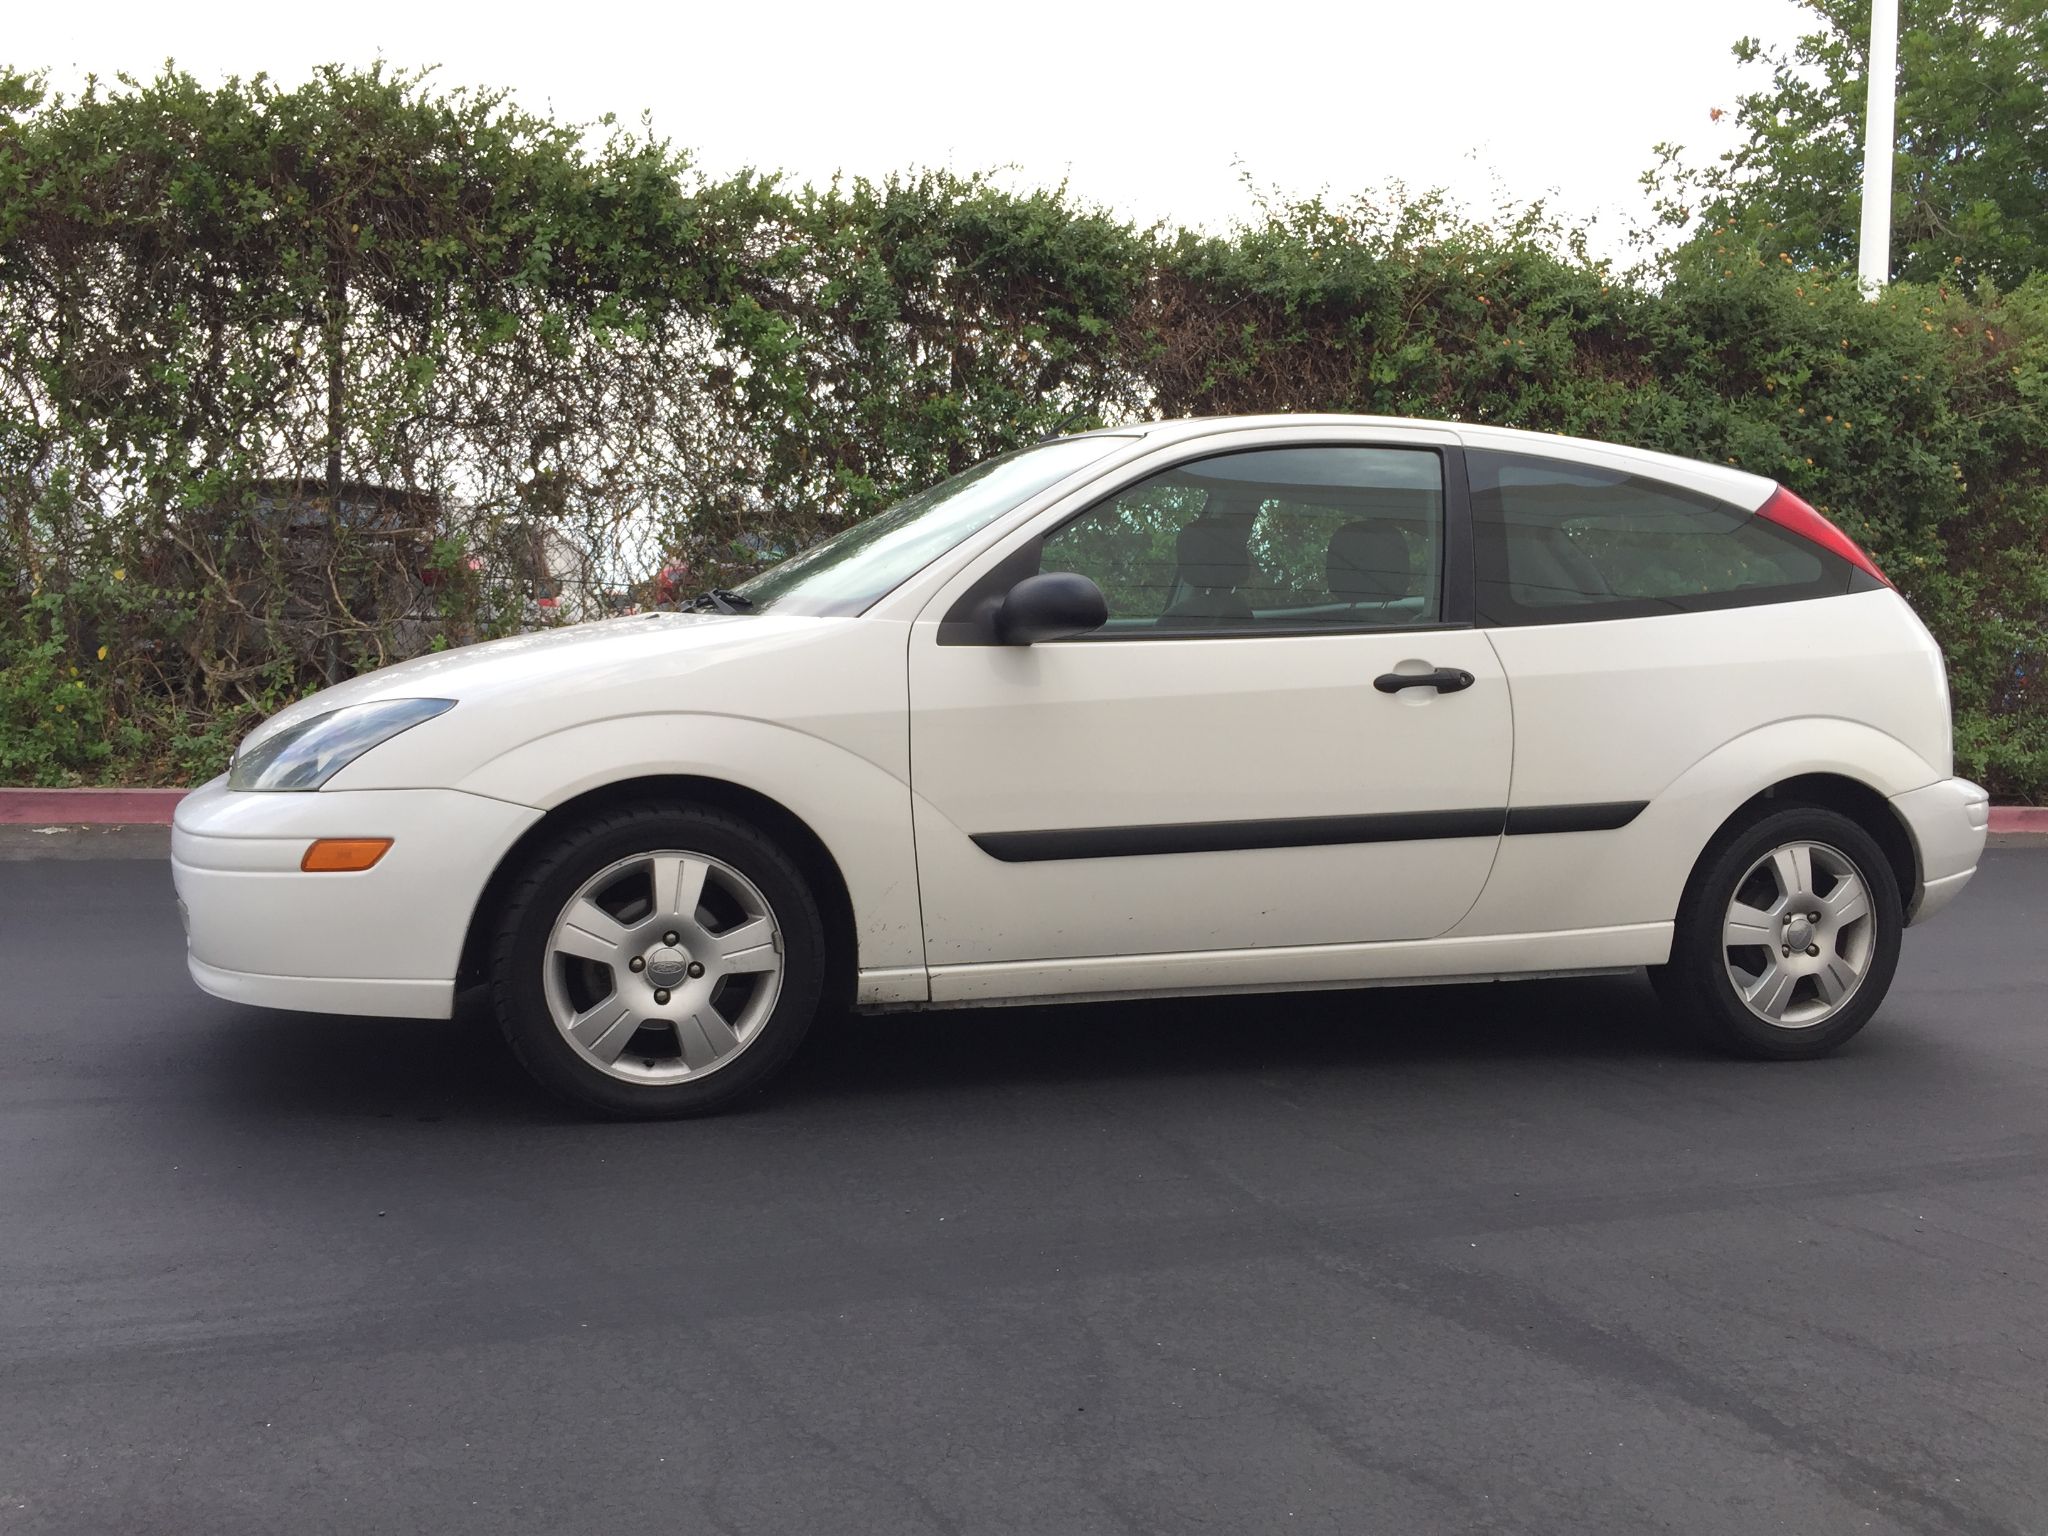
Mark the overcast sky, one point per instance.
(1156, 111)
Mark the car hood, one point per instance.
(579, 656)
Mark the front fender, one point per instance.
(859, 811)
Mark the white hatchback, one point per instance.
(1205, 706)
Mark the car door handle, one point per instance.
(1443, 680)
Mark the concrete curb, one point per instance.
(120, 840)
(153, 807)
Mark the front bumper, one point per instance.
(386, 941)
(1947, 821)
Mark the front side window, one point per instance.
(854, 569)
(1558, 541)
(1266, 539)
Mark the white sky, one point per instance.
(1153, 110)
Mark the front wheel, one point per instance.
(656, 962)
(1787, 938)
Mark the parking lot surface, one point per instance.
(1502, 1258)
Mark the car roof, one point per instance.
(1724, 482)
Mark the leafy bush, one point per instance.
(295, 382)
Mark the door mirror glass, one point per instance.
(1055, 606)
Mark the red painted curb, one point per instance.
(92, 807)
(2019, 818)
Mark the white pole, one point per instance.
(1874, 255)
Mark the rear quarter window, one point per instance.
(1558, 542)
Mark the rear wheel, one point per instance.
(658, 962)
(1788, 936)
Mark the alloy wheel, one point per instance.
(1799, 934)
(663, 967)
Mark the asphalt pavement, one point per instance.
(1503, 1258)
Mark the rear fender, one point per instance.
(1637, 873)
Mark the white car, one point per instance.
(1197, 707)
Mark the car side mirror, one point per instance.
(1054, 606)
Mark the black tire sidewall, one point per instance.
(1696, 983)
(553, 875)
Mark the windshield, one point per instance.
(852, 570)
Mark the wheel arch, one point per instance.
(804, 845)
(1847, 796)
(1865, 806)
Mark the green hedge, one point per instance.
(502, 345)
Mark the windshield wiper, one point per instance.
(718, 600)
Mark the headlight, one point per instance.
(307, 755)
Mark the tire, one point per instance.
(1823, 981)
(635, 1010)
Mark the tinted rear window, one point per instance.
(1558, 542)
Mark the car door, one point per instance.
(1234, 764)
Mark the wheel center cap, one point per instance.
(1800, 934)
(666, 967)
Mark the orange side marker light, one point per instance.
(344, 854)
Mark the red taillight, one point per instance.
(1789, 512)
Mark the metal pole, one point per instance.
(1874, 254)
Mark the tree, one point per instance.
(1970, 177)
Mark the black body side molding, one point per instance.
(1301, 832)
(1605, 816)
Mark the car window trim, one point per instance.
(970, 620)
